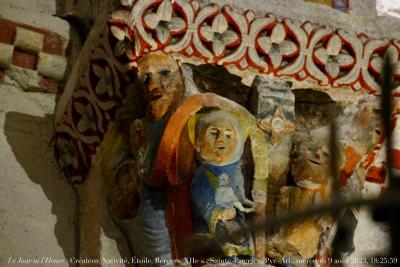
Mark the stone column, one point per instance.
(273, 106)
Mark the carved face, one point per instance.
(162, 83)
(218, 140)
(310, 164)
(223, 180)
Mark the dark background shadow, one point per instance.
(30, 137)
(30, 140)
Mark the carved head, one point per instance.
(162, 82)
(223, 180)
(219, 140)
(310, 166)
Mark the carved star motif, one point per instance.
(277, 125)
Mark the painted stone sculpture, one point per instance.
(310, 171)
(310, 180)
(217, 188)
(143, 221)
(148, 192)
(273, 103)
(172, 156)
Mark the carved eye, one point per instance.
(213, 132)
(146, 79)
(165, 73)
(312, 149)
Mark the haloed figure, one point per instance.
(217, 190)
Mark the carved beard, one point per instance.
(159, 107)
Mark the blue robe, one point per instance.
(148, 232)
(206, 207)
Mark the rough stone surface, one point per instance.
(86, 11)
(388, 8)
(37, 203)
(1, 76)
(304, 237)
(27, 40)
(32, 52)
(41, 6)
(26, 79)
(36, 19)
(378, 27)
(370, 238)
(218, 80)
(24, 60)
(99, 236)
(6, 52)
(52, 66)
(268, 97)
(363, 8)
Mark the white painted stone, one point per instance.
(29, 41)
(320, 14)
(37, 204)
(36, 19)
(363, 8)
(6, 52)
(370, 238)
(388, 8)
(41, 6)
(100, 238)
(26, 79)
(52, 66)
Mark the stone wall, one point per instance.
(32, 48)
(35, 6)
(388, 8)
(38, 205)
(39, 212)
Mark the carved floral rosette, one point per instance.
(209, 34)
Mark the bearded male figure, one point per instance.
(136, 197)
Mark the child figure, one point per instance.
(217, 188)
(225, 196)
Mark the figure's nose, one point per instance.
(152, 86)
(318, 154)
(220, 138)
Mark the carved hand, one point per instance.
(259, 208)
(240, 207)
(247, 202)
(227, 214)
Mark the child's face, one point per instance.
(218, 142)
